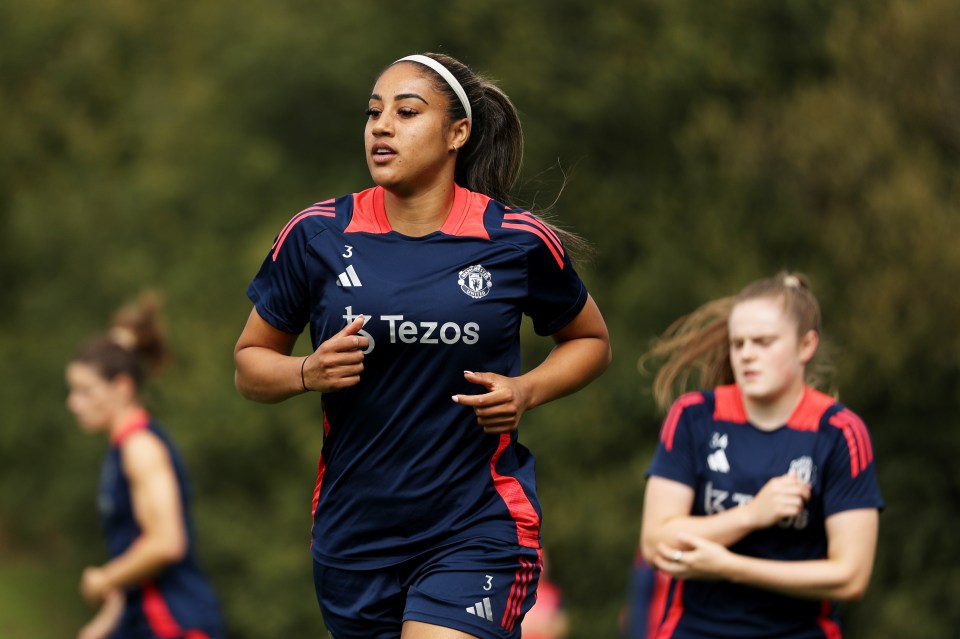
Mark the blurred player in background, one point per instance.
(646, 597)
(426, 517)
(762, 500)
(151, 587)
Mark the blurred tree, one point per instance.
(697, 146)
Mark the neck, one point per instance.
(121, 418)
(771, 414)
(420, 213)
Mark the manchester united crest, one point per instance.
(475, 281)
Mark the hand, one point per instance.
(93, 584)
(500, 408)
(337, 362)
(94, 630)
(106, 620)
(781, 497)
(693, 558)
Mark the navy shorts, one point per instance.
(479, 586)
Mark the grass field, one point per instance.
(39, 600)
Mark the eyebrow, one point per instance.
(400, 96)
(754, 337)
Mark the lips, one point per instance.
(381, 152)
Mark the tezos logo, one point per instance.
(475, 281)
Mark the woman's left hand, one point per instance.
(500, 408)
(692, 558)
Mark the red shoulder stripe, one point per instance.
(858, 440)
(319, 206)
(669, 429)
(325, 209)
(532, 225)
(538, 233)
(530, 218)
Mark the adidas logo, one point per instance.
(717, 461)
(348, 277)
(482, 609)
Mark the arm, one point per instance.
(159, 513)
(106, 619)
(667, 505)
(666, 512)
(581, 354)
(842, 575)
(265, 371)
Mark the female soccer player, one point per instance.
(426, 519)
(762, 501)
(151, 587)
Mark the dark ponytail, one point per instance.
(490, 161)
(135, 344)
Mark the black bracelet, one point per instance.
(302, 380)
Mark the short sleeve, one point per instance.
(556, 294)
(280, 291)
(850, 479)
(676, 450)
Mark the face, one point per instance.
(767, 355)
(408, 137)
(92, 399)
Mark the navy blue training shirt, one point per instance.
(404, 468)
(708, 444)
(178, 601)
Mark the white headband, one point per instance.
(446, 75)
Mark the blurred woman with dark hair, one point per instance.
(152, 586)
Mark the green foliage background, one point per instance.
(697, 146)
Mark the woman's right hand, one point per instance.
(781, 497)
(337, 362)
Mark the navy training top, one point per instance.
(403, 468)
(708, 444)
(178, 602)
